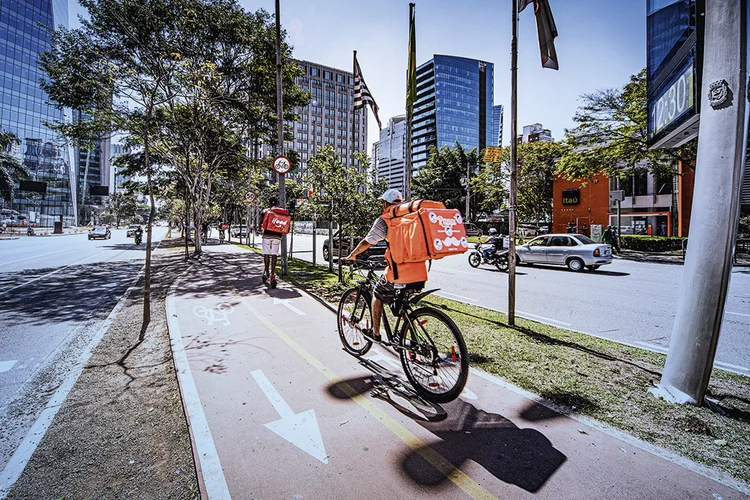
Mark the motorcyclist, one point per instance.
(494, 243)
(138, 235)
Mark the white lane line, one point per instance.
(7, 365)
(35, 256)
(214, 482)
(53, 272)
(739, 314)
(743, 370)
(524, 314)
(288, 304)
(21, 456)
(543, 318)
(462, 297)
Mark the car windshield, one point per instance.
(584, 239)
(100, 228)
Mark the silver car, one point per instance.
(573, 250)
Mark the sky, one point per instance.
(600, 44)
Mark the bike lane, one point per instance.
(288, 414)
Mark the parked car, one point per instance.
(472, 229)
(573, 250)
(99, 232)
(131, 230)
(375, 252)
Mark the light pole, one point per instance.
(280, 126)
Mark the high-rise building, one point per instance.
(24, 106)
(328, 117)
(535, 133)
(454, 103)
(388, 153)
(497, 125)
(94, 175)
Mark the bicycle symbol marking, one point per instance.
(216, 314)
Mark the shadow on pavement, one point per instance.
(71, 294)
(566, 270)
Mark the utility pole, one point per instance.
(713, 222)
(513, 167)
(280, 124)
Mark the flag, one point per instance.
(362, 94)
(546, 29)
(411, 68)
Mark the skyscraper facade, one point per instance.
(388, 153)
(454, 103)
(24, 107)
(497, 125)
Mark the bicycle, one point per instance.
(429, 344)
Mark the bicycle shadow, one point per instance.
(523, 457)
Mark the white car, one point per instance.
(573, 250)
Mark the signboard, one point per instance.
(33, 186)
(596, 232)
(99, 190)
(618, 195)
(673, 102)
(492, 154)
(250, 196)
(571, 196)
(282, 164)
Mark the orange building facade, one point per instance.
(580, 203)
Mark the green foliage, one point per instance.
(611, 136)
(643, 243)
(440, 180)
(743, 230)
(121, 206)
(11, 169)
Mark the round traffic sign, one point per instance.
(250, 196)
(282, 164)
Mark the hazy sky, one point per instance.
(600, 44)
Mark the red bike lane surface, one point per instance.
(291, 415)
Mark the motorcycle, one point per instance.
(498, 258)
(138, 238)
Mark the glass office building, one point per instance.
(497, 125)
(24, 107)
(454, 103)
(388, 155)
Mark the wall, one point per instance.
(593, 207)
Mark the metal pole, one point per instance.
(354, 118)
(407, 151)
(468, 192)
(330, 246)
(513, 168)
(280, 124)
(716, 203)
(313, 248)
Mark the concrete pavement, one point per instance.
(278, 410)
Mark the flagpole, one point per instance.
(513, 167)
(280, 130)
(409, 103)
(354, 120)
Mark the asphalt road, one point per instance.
(627, 301)
(55, 293)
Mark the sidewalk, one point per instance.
(278, 410)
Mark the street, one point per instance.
(56, 293)
(627, 301)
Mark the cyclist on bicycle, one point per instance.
(204, 231)
(494, 240)
(385, 289)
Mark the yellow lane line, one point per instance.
(453, 473)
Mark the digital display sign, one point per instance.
(673, 102)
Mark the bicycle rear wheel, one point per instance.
(434, 355)
(354, 314)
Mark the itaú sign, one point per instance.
(571, 197)
(673, 102)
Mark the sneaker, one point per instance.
(367, 332)
(264, 277)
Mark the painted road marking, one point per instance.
(300, 429)
(7, 365)
(53, 272)
(739, 314)
(213, 315)
(35, 257)
(288, 305)
(743, 370)
(456, 475)
(205, 450)
(524, 314)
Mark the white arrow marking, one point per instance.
(300, 429)
(7, 365)
(288, 305)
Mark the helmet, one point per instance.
(392, 196)
(492, 231)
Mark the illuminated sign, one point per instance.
(571, 197)
(674, 102)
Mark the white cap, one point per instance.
(392, 196)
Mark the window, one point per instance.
(315, 72)
(539, 242)
(340, 78)
(327, 75)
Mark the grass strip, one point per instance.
(601, 379)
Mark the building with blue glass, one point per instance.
(497, 125)
(454, 104)
(388, 154)
(24, 107)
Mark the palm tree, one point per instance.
(11, 169)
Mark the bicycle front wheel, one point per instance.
(434, 355)
(354, 314)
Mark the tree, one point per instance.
(11, 169)
(537, 166)
(612, 136)
(121, 205)
(441, 179)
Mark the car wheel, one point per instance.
(480, 234)
(89, 238)
(575, 264)
(475, 259)
(592, 268)
(326, 254)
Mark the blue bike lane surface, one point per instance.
(277, 409)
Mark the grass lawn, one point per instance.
(600, 379)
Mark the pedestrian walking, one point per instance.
(275, 222)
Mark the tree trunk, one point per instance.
(186, 225)
(341, 238)
(149, 226)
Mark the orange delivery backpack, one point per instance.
(276, 220)
(419, 231)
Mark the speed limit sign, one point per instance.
(282, 164)
(250, 196)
